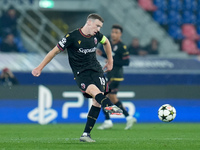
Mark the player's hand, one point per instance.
(36, 72)
(108, 67)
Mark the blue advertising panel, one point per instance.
(28, 111)
(72, 107)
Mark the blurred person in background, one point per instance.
(9, 22)
(115, 76)
(8, 44)
(152, 48)
(134, 47)
(143, 52)
(7, 78)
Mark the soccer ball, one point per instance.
(166, 113)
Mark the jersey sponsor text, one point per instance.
(85, 51)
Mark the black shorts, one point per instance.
(87, 77)
(114, 85)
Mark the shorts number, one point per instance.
(102, 81)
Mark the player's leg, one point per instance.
(83, 80)
(98, 95)
(91, 84)
(103, 100)
(107, 124)
(91, 120)
(115, 100)
(130, 120)
(91, 89)
(114, 85)
(95, 110)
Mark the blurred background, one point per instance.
(162, 36)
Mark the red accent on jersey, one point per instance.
(126, 57)
(60, 47)
(87, 36)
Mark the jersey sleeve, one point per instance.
(125, 53)
(101, 38)
(65, 42)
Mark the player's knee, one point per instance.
(95, 103)
(93, 90)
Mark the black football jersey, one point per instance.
(120, 59)
(81, 50)
(120, 54)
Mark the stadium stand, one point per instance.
(139, 23)
(175, 32)
(9, 33)
(175, 5)
(180, 18)
(190, 46)
(189, 31)
(188, 17)
(160, 4)
(161, 17)
(34, 27)
(33, 24)
(147, 5)
(174, 17)
(190, 5)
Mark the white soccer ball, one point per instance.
(166, 113)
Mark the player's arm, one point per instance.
(37, 71)
(108, 50)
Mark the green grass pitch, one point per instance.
(161, 136)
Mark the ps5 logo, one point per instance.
(43, 113)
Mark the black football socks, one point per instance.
(106, 114)
(91, 118)
(103, 100)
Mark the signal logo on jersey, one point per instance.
(95, 40)
(79, 42)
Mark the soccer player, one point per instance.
(115, 76)
(81, 46)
